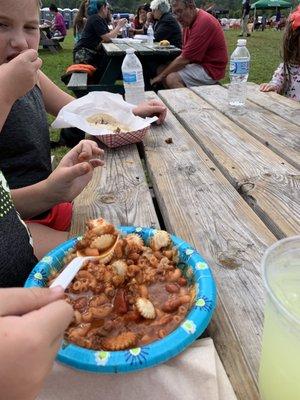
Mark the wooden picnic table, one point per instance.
(52, 44)
(227, 183)
(111, 78)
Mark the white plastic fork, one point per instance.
(67, 275)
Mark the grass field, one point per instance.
(264, 48)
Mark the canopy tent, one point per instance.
(267, 4)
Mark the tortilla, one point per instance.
(107, 121)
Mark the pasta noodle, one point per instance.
(138, 296)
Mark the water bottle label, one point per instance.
(130, 77)
(239, 67)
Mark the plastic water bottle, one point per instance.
(150, 35)
(133, 79)
(239, 71)
(124, 32)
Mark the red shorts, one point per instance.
(59, 217)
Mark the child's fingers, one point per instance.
(88, 150)
(37, 63)
(28, 55)
(96, 163)
(50, 320)
(263, 87)
(17, 301)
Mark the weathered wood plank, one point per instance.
(269, 184)
(78, 81)
(284, 107)
(199, 204)
(117, 192)
(141, 48)
(273, 131)
(113, 48)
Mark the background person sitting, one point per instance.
(204, 53)
(165, 24)
(80, 20)
(87, 50)
(140, 19)
(58, 27)
(165, 27)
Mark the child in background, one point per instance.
(80, 20)
(58, 27)
(286, 79)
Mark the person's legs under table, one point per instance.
(190, 75)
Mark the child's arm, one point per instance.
(17, 77)
(54, 98)
(276, 82)
(70, 177)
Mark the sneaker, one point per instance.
(240, 35)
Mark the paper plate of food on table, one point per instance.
(140, 298)
(106, 116)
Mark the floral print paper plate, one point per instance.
(153, 353)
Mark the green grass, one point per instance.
(264, 48)
(55, 64)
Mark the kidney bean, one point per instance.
(182, 281)
(172, 288)
(171, 305)
(120, 302)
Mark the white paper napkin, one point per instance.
(196, 374)
(77, 111)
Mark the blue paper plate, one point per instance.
(156, 352)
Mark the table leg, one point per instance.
(112, 73)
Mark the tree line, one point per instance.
(132, 5)
(233, 6)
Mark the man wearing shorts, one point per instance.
(204, 54)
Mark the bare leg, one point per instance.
(173, 81)
(160, 68)
(45, 238)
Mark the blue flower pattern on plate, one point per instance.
(136, 356)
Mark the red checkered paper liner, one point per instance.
(123, 138)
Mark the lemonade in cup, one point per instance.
(279, 375)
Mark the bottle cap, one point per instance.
(130, 50)
(242, 42)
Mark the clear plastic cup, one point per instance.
(279, 375)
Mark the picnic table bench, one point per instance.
(227, 183)
(53, 43)
(110, 79)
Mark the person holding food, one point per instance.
(204, 53)
(26, 95)
(140, 19)
(96, 30)
(32, 324)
